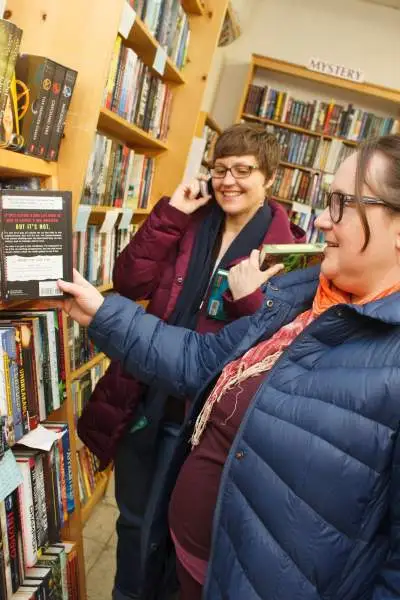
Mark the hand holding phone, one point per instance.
(190, 197)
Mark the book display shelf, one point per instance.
(85, 37)
(319, 120)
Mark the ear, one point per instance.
(270, 181)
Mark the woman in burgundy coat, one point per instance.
(171, 262)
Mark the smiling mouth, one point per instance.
(331, 244)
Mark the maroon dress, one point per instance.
(194, 498)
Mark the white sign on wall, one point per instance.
(316, 64)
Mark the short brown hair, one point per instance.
(250, 138)
(389, 180)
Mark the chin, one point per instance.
(329, 269)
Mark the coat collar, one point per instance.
(299, 287)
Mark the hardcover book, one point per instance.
(35, 243)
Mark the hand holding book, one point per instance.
(84, 302)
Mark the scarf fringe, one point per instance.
(228, 383)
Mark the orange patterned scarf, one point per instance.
(262, 357)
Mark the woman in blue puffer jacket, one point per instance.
(292, 487)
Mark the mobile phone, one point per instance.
(292, 256)
(219, 285)
(206, 188)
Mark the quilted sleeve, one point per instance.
(178, 359)
(138, 268)
(388, 581)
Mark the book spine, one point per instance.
(13, 36)
(62, 109)
(6, 552)
(27, 511)
(53, 360)
(32, 144)
(43, 527)
(51, 109)
(12, 527)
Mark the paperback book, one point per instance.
(35, 243)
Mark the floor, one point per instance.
(99, 540)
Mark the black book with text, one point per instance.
(35, 243)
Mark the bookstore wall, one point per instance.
(354, 33)
(91, 137)
(319, 119)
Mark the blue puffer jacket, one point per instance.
(309, 502)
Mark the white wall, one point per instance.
(349, 32)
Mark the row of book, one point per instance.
(325, 118)
(210, 136)
(49, 88)
(117, 176)
(95, 252)
(135, 93)
(310, 151)
(10, 40)
(32, 369)
(34, 510)
(33, 118)
(81, 349)
(82, 388)
(89, 475)
(55, 577)
(331, 154)
(304, 216)
(169, 24)
(300, 186)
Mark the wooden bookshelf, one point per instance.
(145, 45)
(14, 164)
(97, 495)
(115, 126)
(308, 181)
(82, 37)
(290, 127)
(194, 7)
(105, 287)
(87, 366)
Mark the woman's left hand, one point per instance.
(246, 277)
(85, 300)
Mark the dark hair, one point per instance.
(387, 185)
(250, 138)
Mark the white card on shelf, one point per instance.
(40, 438)
(109, 221)
(159, 61)
(195, 156)
(128, 17)
(10, 475)
(82, 217)
(127, 214)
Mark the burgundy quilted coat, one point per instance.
(153, 267)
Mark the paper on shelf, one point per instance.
(127, 214)
(159, 61)
(10, 475)
(82, 217)
(40, 438)
(110, 220)
(128, 17)
(194, 159)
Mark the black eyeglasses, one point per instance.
(237, 171)
(336, 201)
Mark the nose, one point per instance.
(228, 179)
(324, 221)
